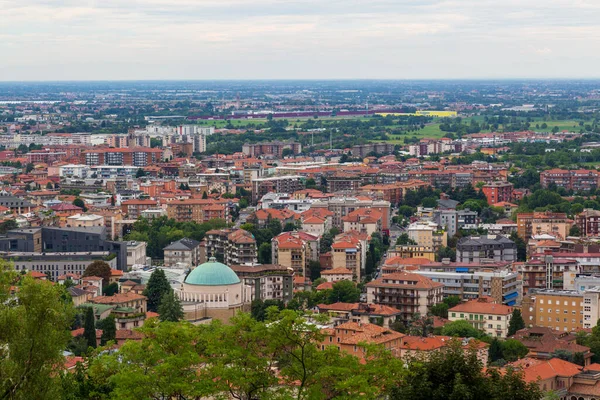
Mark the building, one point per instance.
(342, 206)
(542, 343)
(412, 251)
(360, 313)
(548, 272)
(363, 220)
(428, 234)
(267, 282)
(363, 150)
(560, 310)
(234, 246)
(557, 375)
(137, 156)
(135, 207)
(341, 182)
(136, 253)
(409, 293)
(498, 192)
(197, 210)
(394, 192)
(581, 180)
(337, 274)
(85, 221)
(475, 249)
(351, 337)
(274, 149)
(56, 264)
(491, 318)
(504, 287)
(537, 223)
(183, 252)
(213, 290)
(278, 184)
(588, 222)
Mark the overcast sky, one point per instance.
(301, 39)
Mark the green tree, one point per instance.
(109, 329)
(420, 325)
(512, 350)
(452, 301)
(289, 226)
(79, 203)
(460, 328)
(521, 246)
(440, 310)
(89, 332)
(574, 231)
(111, 289)
(140, 173)
(516, 322)
(34, 331)
(495, 350)
(157, 287)
(264, 253)
(100, 269)
(170, 308)
(344, 292)
(204, 195)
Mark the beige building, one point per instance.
(337, 274)
(537, 223)
(409, 293)
(346, 254)
(428, 234)
(85, 220)
(184, 252)
(295, 250)
(491, 318)
(136, 253)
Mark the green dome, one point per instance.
(212, 273)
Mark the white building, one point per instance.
(74, 171)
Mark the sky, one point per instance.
(298, 39)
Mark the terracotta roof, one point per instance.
(325, 286)
(337, 271)
(128, 334)
(118, 298)
(364, 333)
(534, 369)
(420, 282)
(480, 307)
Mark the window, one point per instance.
(454, 314)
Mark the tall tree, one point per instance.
(109, 329)
(344, 292)
(495, 350)
(34, 331)
(516, 322)
(157, 287)
(170, 308)
(79, 203)
(89, 329)
(100, 269)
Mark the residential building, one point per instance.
(364, 220)
(475, 249)
(278, 184)
(498, 192)
(394, 192)
(362, 150)
(342, 206)
(418, 346)
(537, 223)
(350, 337)
(542, 343)
(184, 252)
(268, 282)
(295, 250)
(233, 246)
(136, 253)
(409, 293)
(135, 207)
(360, 313)
(274, 148)
(581, 180)
(412, 251)
(559, 309)
(588, 222)
(557, 375)
(337, 274)
(428, 234)
(138, 156)
(489, 317)
(548, 272)
(197, 210)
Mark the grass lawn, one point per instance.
(569, 125)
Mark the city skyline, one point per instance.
(232, 40)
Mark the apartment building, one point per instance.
(274, 148)
(409, 293)
(138, 156)
(394, 192)
(362, 150)
(560, 309)
(504, 287)
(277, 184)
(537, 223)
(290, 252)
(197, 210)
(412, 251)
(548, 272)
(581, 180)
(342, 206)
(183, 252)
(341, 182)
(134, 208)
(267, 282)
(233, 246)
(428, 234)
(489, 317)
(57, 264)
(475, 249)
(363, 220)
(588, 222)
(498, 192)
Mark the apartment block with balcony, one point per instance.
(233, 246)
(581, 180)
(184, 252)
(588, 222)
(409, 293)
(475, 249)
(268, 282)
(537, 223)
(498, 192)
(548, 272)
(197, 210)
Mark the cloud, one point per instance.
(187, 39)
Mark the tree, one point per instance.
(521, 246)
(109, 329)
(204, 195)
(140, 173)
(344, 292)
(495, 350)
(170, 308)
(315, 270)
(452, 301)
(100, 269)
(446, 252)
(289, 227)
(403, 239)
(157, 287)
(516, 322)
(574, 231)
(512, 350)
(420, 325)
(110, 290)
(89, 331)
(243, 203)
(79, 203)
(460, 328)
(264, 253)
(34, 332)
(440, 310)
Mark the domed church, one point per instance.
(213, 290)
